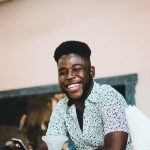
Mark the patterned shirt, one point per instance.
(104, 113)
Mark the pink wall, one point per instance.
(117, 32)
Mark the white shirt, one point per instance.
(104, 113)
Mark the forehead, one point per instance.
(71, 59)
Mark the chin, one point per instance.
(75, 96)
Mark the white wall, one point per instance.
(118, 33)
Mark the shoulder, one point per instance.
(108, 94)
(106, 90)
(62, 104)
(103, 89)
(99, 92)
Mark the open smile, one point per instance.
(73, 87)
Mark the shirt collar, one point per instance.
(70, 103)
(94, 93)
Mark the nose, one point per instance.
(70, 74)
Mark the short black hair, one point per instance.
(69, 47)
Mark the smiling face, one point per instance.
(75, 75)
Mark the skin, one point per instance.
(75, 76)
(73, 69)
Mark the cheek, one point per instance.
(61, 81)
(86, 75)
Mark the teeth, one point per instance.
(73, 85)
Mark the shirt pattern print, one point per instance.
(104, 113)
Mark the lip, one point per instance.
(73, 87)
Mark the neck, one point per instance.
(80, 102)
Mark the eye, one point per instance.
(62, 72)
(77, 69)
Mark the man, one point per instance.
(92, 115)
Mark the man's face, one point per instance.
(75, 75)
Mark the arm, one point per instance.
(115, 141)
(57, 125)
(56, 133)
(114, 118)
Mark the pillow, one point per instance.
(139, 125)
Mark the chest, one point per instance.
(92, 131)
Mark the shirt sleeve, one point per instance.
(56, 124)
(113, 111)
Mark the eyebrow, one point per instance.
(63, 68)
(72, 66)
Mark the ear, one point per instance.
(92, 71)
